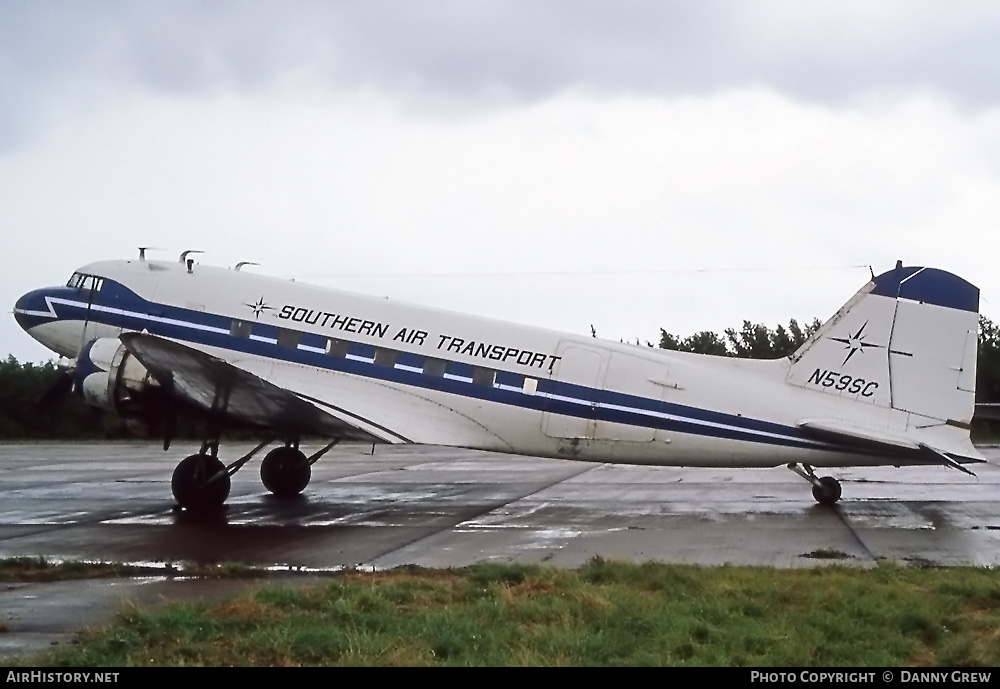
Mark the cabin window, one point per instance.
(288, 338)
(337, 348)
(484, 376)
(385, 357)
(434, 367)
(530, 386)
(240, 329)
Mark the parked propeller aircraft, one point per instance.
(888, 380)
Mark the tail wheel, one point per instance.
(200, 482)
(285, 472)
(828, 491)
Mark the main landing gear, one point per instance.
(285, 471)
(825, 489)
(202, 481)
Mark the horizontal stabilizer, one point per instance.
(834, 429)
(882, 441)
(944, 459)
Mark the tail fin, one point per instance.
(906, 341)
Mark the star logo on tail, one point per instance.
(856, 343)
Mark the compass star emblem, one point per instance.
(856, 343)
(259, 307)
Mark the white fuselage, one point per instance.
(413, 374)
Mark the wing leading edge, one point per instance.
(218, 389)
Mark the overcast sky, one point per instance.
(631, 165)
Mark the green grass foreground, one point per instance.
(605, 613)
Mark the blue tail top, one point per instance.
(928, 286)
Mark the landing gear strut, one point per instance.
(201, 481)
(826, 490)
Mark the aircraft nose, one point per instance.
(31, 309)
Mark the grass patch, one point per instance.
(827, 554)
(32, 569)
(36, 569)
(605, 613)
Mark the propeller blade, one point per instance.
(61, 386)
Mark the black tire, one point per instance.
(285, 472)
(828, 491)
(197, 483)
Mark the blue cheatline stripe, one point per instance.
(119, 307)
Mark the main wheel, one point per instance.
(200, 482)
(828, 491)
(285, 472)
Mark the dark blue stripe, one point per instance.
(117, 296)
(929, 286)
(28, 322)
(514, 380)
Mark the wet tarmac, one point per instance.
(445, 507)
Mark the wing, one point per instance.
(217, 389)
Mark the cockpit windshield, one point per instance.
(88, 283)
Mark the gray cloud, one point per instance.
(55, 55)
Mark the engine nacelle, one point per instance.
(109, 377)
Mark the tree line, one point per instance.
(23, 414)
(24, 385)
(752, 341)
(757, 341)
